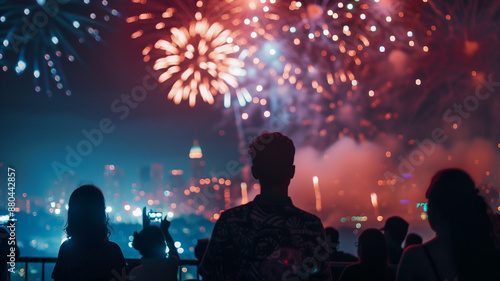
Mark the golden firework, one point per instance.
(200, 58)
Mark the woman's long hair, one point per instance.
(456, 209)
(87, 219)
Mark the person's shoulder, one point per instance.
(345, 257)
(111, 245)
(298, 218)
(351, 271)
(410, 266)
(234, 210)
(238, 210)
(64, 250)
(413, 253)
(67, 244)
(412, 249)
(304, 214)
(355, 266)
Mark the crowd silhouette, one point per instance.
(271, 239)
(373, 259)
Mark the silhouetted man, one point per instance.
(332, 238)
(268, 238)
(395, 231)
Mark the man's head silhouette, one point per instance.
(395, 230)
(272, 158)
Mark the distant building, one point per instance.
(156, 177)
(113, 177)
(114, 181)
(63, 188)
(144, 178)
(176, 180)
(196, 161)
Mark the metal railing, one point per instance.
(43, 261)
(337, 267)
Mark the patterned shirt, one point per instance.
(266, 239)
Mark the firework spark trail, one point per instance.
(317, 194)
(374, 200)
(38, 36)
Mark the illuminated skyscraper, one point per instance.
(196, 161)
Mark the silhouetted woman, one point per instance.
(465, 246)
(373, 259)
(88, 255)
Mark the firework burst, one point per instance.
(197, 55)
(199, 59)
(455, 53)
(38, 36)
(310, 30)
(325, 50)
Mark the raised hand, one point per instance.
(165, 224)
(145, 218)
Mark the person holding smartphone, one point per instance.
(151, 242)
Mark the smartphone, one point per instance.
(155, 217)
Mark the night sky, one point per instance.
(37, 128)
